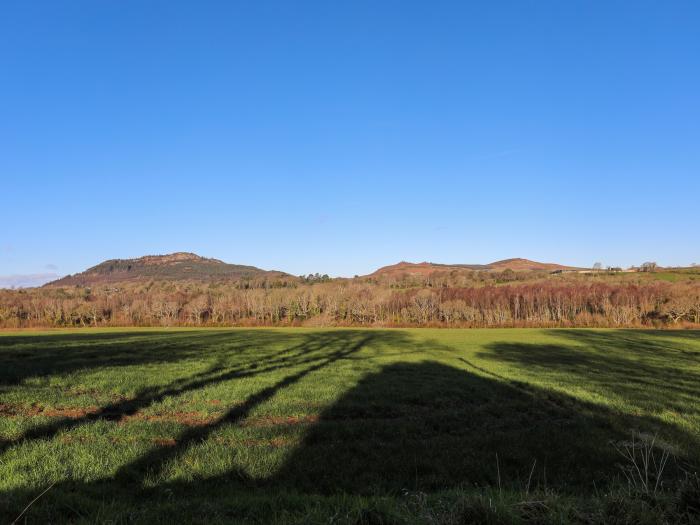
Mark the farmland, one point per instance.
(278, 425)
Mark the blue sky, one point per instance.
(339, 137)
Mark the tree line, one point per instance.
(547, 303)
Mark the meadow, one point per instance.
(300, 425)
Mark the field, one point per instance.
(350, 425)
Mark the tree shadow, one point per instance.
(294, 355)
(317, 352)
(429, 426)
(650, 371)
(30, 356)
(313, 352)
(419, 426)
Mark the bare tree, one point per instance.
(649, 266)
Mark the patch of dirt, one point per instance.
(187, 418)
(7, 410)
(35, 410)
(70, 413)
(196, 419)
(164, 442)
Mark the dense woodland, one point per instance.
(466, 298)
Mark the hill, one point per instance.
(526, 264)
(422, 269)
(427, 268)
(178, 266)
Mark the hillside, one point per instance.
(427, 268)
(526, 264)
(422, 269)
(172, 267)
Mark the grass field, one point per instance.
(349, 426)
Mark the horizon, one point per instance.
(340, 139)
(34, 280)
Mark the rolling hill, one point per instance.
(526, 264)
(180, 266)
(185, 266)
(427, 268)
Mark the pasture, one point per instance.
(349, 425)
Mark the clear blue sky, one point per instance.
(341, 136)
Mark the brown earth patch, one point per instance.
(164, 442)
(7, 410)
(190, 418)
(35, 410)
(195, 419)
(70, 413)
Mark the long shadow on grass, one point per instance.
(325, 349)
(650, 371)
(31, 356)
(417, 426)
(429, 426)
(313, 353)
(315, 350)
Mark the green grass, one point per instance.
(677, 276)
(345, 425)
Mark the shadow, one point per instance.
(650, 371)
(429, 427)
(295, 355)
(311, 353)
(31, 356)
(320, 351)
(421, 425)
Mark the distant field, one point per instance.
(347, 425)
(677, 276)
